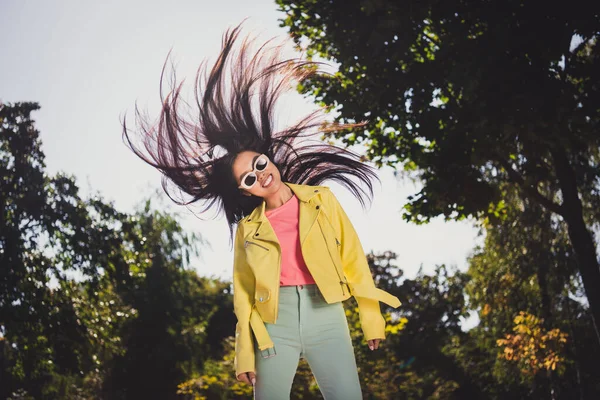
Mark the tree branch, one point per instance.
(532, 192)
(570, 54)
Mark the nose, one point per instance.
(261, 175)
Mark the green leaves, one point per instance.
(523, 281)
(496, 108)
(93, 300)
(479, 101)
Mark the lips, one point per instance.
(268, 181)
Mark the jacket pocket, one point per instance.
(262, 295)
(258, 256)
(250, 243)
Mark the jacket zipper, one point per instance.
(277, 287)
(345, 280)
(337, 242)
(256, 244)
(341, 282)
(334, 266)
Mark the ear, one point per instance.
(246, 193)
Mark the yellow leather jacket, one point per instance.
(333, 255)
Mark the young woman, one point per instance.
(296, 253)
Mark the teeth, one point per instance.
(268, 180)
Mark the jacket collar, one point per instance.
(304, 193)
(259, 227)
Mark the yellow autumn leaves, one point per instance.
(532, 347)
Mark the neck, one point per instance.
(279, 198)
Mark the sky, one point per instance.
(89, 63)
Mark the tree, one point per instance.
(134, 323)
(471, 95)
(180, 318)
(524, 285)
(41, 220)
(413, 362)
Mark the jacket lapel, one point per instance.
(259, 228)
(308, 216)
(309, 209)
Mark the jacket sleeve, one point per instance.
(243, 295)
(357, 271)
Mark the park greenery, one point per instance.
(476, 98)
(493, 106)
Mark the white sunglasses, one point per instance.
(250, 178)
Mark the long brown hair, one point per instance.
(196, 154)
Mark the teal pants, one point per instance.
(310, 328)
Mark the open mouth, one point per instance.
(268, 181)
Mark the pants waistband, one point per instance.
(311, 287)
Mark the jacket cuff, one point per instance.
(244, 362)
(244, 350)
(371, 320)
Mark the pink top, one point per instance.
(284, 220)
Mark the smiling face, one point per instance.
(264, 181)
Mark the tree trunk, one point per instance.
(580, 236)
(543, 267)
(542, 276)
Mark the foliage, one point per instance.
(532, 347)
(412, 362)
(217, 380)
(94, 302)
(409, 67)
(527, 267)
(46, 233)
(473, 97)
(97, 303)
(168, 338)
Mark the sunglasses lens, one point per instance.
(261, 163)
(250, 180)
